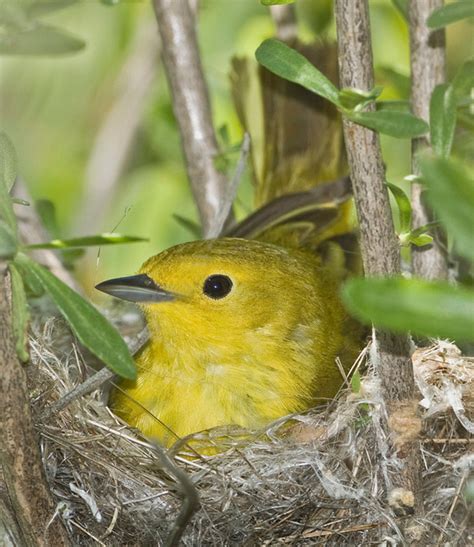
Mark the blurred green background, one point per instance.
(55, 109)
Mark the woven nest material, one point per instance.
(313, 479)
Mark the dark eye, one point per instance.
(217, 286)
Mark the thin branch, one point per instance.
(94, 382)
(20, 458)
(427, 59)
(191, 106)
(285, 21)
(190, 497)
(380, 248)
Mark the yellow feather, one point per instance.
(265, 350)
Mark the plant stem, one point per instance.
(191, 106)
(380, 247)
(25, 479)
(427, 59)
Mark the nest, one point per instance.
(315, 479)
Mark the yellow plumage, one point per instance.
(265, 350)
(265, 345)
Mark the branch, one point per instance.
(427, 59)
(380, 248)
(20, 458)
(191, 106)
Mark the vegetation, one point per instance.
(104, 151)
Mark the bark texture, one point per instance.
(427, 59)
(191, 106)
(26, 486)
(380, 247)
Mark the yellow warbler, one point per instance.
(241, 332)
(244, 331)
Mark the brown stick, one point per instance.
(427, 59)
(191, 106)
(25, 480)
(380, 248)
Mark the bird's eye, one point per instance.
(217, 286)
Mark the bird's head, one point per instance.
(216, 290)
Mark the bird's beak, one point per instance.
(135, 288)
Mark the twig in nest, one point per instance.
(190, 494)
(94, 382)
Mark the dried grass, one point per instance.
(317, 479)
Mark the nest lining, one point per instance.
(317, 478)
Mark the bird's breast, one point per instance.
(185, 392)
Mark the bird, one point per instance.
(241, 332)
(249, 327)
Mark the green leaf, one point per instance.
(8, 161)
(275, 2)
(193, 227)
(6, 208)
(38, 9)
(422, 307)
(223, 136)
(20, 314)
(396, 105)
(47, 213)
(421, 240)
(34, 289)
(404, 206)
(396, 124)
(442, 119)
(8, 244)
(463, 81)
(87, 241)
(450, 14)
(399, 81)
(40, 40)
(350, 98)
(451, 195)
(287, 63)
(425, 228)
(90, 327)
(419, 236)
(356, 383)
(402, 7)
